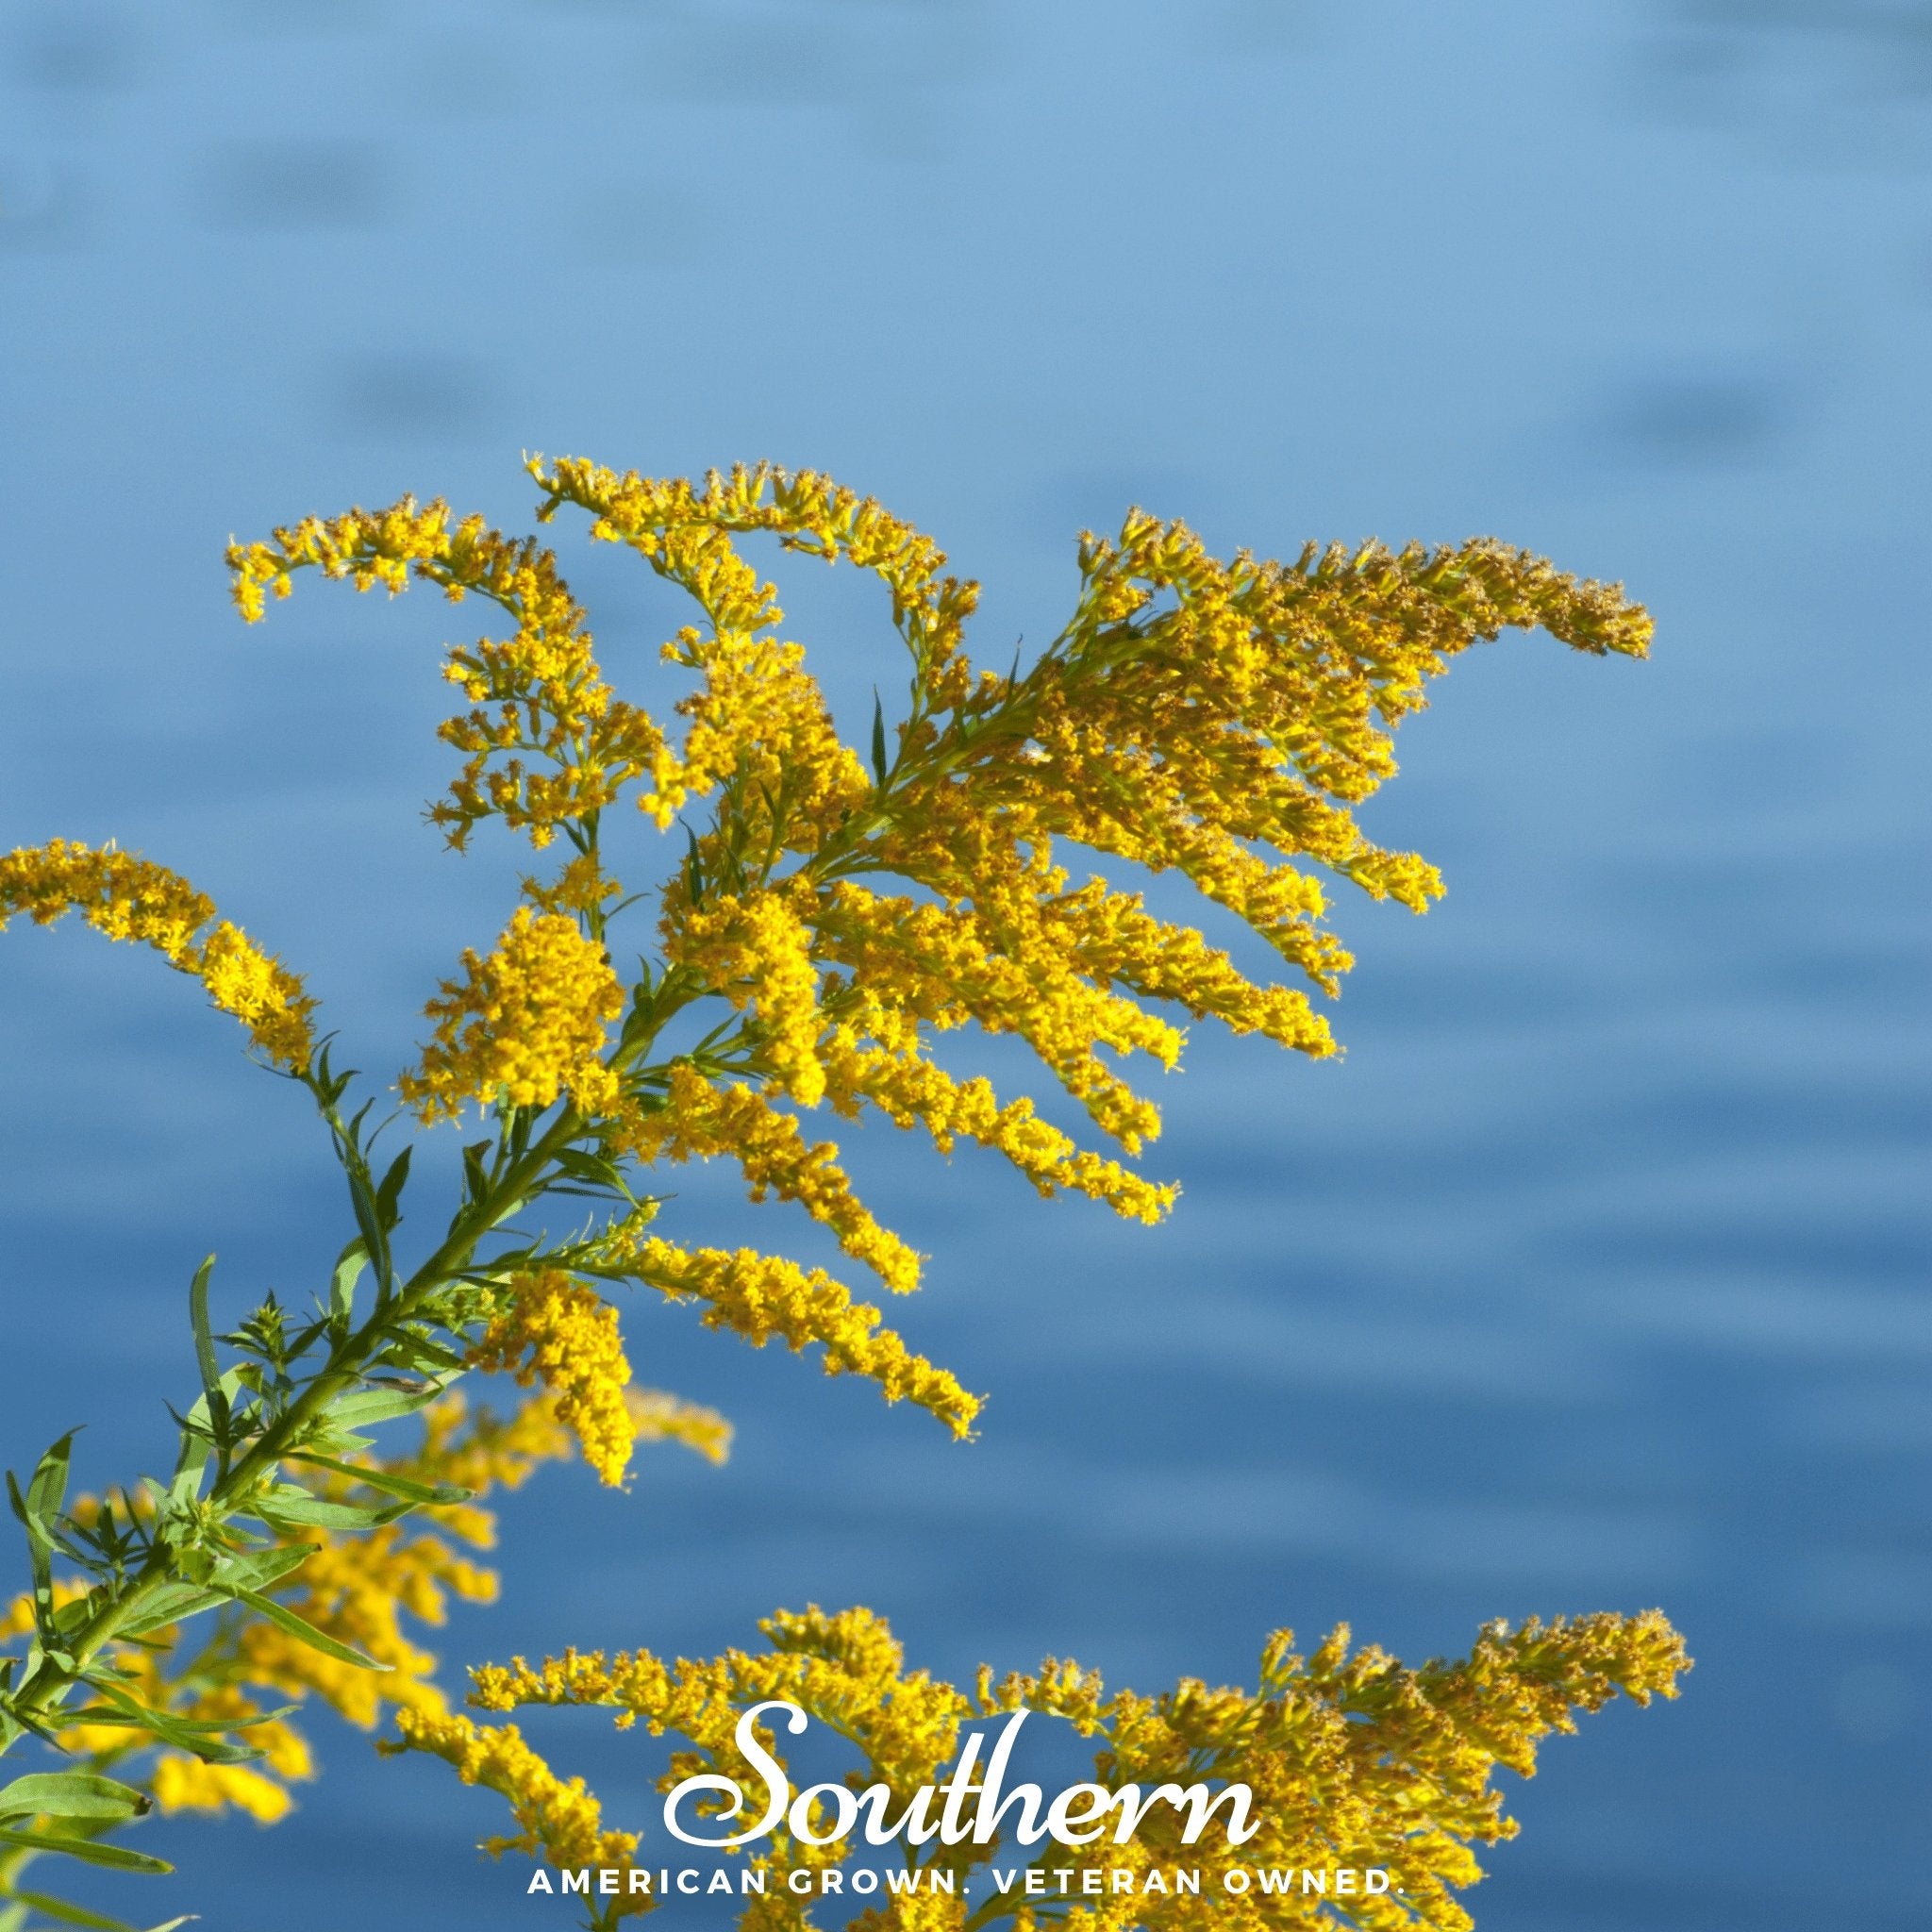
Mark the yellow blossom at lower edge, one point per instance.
(1350, 1759)
(561, 1821)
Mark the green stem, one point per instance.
(48, 1685)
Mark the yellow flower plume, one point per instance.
(524, 1025)
(554, 1330)
(127, 897)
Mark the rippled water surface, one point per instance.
(1592, 1277)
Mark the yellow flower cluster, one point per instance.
(763, 1297)
(538, 694)
(1215, 719)
(130, 898)
(559, 1821)
(760, 725)
(1352, 1759)
(909, 1088)
(656, 1417)
(581, 885)
(554, 1330)
(757, 952)
(760, 720)
(700, 1120)
(682, 532)
(524, 1025)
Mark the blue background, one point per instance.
(1590, 1278)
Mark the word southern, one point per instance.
(971, 1804)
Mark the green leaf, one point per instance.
(364, 1406)
(418, 1352)
(38, 1548)
(48, 1490)
(596, 1170)
(258, 1569)
(879, 739)
(367, 1220)
(393, 1485)
(175, 1604)
(183, 1735)
(116, 1857)
(286, 1507)
(37, 1509)
(69, 1914)
(71, 1794)
(284, 1618)
(58, 1908)
(475, 1180)
(211, 1389)
(198, 1729)
(389, 1194)
(694, 875)
(342, 1294)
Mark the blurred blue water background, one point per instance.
(1592, 1277)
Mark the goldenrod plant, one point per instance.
(828, 912)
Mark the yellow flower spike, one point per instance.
(757, 952)
(908, 1088)
(556, 1331)
(764, 1297)
(524, 1025)
(700, 1120)
(127, 897)
(559, 1821)
(538, 694)
(658, 1417)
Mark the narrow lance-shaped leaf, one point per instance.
(37, 1509)
(116, 1857)
(71, 1794)
(389, 1194)
(284, 1618)
(211, 1389)
(287, 1508)
(342, 1296)
(433, 1493)
(64, 1912)
(362, 1407)
(126, 1713)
